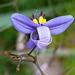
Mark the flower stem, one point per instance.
(15, 58)
(16, 7)
(37, 65)
(31, 50)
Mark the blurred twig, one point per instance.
(49, 2)
(70, 71)
(15, 4)
(6, 4)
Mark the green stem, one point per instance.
(35, 60)
(31, 50)
(37, 65)
(16, 8)
(27, 60)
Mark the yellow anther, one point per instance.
(35, 21)
(40, 19)
(44, 20)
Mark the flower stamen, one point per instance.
(35, 21)
(41, 14)
(37, 16)
(40, 19)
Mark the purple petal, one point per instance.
(59, 29)
(24, 20)
(18, 26)
(44, 37)
(31, 44)
(23, 24)
(58, 21)
(59, 24)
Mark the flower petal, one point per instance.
(59, 29)
(31, 44)
(59, 24)
(44, 37)
(22, 23)
(18, 26)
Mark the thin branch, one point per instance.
(16, 7)
(6, 4)
(15, 58)
(19, 56)
(26, 60)
(31, 50)
(70, 71)
(37, 65)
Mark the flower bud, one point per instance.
(7, 53)
(17, 69)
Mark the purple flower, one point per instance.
(40, 31)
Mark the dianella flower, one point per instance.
(39, 29)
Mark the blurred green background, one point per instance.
(8, 35)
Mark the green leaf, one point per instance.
(4, 21)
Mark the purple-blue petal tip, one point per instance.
(59, 24)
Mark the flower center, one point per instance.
(40, 20)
